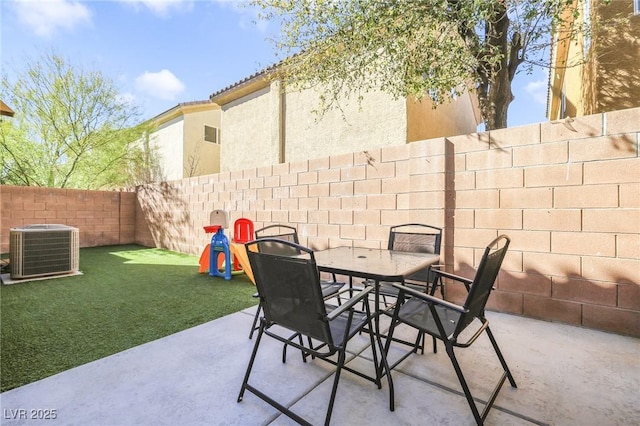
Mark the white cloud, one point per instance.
(127, 98)
(47, 16)
(161, 85)
(537, 89)
(161, 7)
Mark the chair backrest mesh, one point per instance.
(289, 288)
(280, 232)
(415, 238)
(484, 280)
(272, 246)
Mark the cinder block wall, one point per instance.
(567, 193)
(102, 217)
(347, 199)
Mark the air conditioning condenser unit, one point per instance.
(41, 250)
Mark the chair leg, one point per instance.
(340, 363)
(463, 383)
(374, 353)
(251, 360)
(310, 346)
(512, 381)
(384, 369)
(435, 282)
(423, 341)
(505, 374)
(255, 320)
(284, 348)
(419, 344)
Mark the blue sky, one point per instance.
(164, 52)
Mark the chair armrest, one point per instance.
(349, 303)
(452, 276)
(428, 298)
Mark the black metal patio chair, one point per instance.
(281, 232)
(447, 321)
(291, 297)
(287, 233)
(414, 238)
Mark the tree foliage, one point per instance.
(415, 48)
(71, 129)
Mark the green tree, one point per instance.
(71, 129)
(416, 48)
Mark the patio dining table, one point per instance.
(375, 266)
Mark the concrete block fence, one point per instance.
(103, 217)
(567, 193)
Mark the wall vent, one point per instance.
(211, 134)
(40, 250)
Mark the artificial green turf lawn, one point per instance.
(127, 295)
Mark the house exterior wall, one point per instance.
(168, 140)
(179, 141)
(453, 118)
(199, 156)
(279, 127)
(251, 130)
(599, 73)
(375, 122)
(568, 196)
(617, 53)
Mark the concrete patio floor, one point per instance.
(566, 376)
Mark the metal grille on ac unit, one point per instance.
(39, 250)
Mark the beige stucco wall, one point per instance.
(608, 80)
(267, 127)
(376, 122)
(167, 139)
(263, 125)
(617, 80)
(250, 130)
(179, 141)
(452, 118)
(199, 156)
